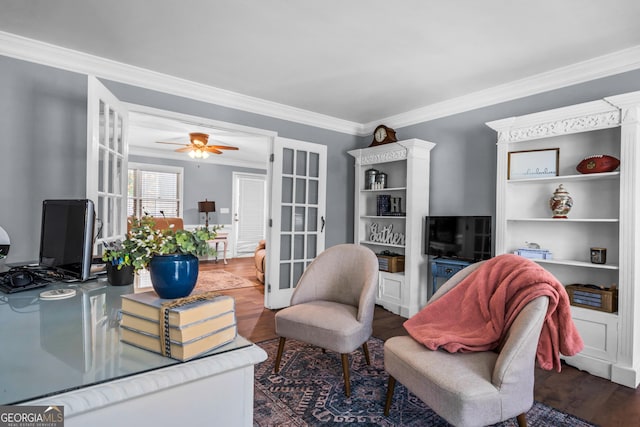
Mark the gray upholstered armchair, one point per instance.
(333, 303)
(475, 388)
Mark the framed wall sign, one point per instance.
(533, 163)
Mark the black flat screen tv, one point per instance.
(66, 237)
(466, 238)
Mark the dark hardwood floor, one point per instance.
(593, 399)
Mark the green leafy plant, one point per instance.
(116, 254)
(143, 242)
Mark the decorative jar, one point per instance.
(560, 203)
(370, 179)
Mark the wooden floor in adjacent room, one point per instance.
(593, 399)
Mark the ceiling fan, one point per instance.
(198, 147)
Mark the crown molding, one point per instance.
(71, 60)
(602, 66)
(55, 56)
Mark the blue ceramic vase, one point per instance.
(173, 276)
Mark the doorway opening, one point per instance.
(250, 212)
(213, 178)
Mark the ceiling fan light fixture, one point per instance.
(198, 154)
(198, 148)
(199, 139)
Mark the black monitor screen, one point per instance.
(66, 238)
(466, 238)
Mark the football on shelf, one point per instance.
(597, 164)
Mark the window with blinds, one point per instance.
(154, 190)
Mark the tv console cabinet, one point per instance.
(444, 269)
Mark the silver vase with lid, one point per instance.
(370, 178)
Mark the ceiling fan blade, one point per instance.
(198, 142)
(224, 147)
(172, 143)
(211, 149)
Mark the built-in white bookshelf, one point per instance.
(604, 214)
(406, 165)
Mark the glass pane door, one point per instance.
(107, 162)
(297, 213)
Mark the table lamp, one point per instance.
(206, 207)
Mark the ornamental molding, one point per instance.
(561, 127)
(389, 156)
(631, 116)
(368, 156)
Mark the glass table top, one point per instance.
(52, 346)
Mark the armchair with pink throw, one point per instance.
(471, 351)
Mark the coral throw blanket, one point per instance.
(476, 313)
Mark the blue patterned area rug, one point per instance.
(309, 391)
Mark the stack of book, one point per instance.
(383, 204)
(181, 329)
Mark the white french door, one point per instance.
(249, 212)
(107, 153)
(297, 215)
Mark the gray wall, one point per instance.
(203, 181)
(43, 116)
(43, 139)
(339, 227)
(463, 163)
(43, 146)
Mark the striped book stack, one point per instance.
(183, 328)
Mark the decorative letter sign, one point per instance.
(385, 234)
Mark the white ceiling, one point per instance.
(358, 60)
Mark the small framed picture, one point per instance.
(531, 164)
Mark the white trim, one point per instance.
(198, 120)
(602, 66)
(35, 51)
(149, 152)
(67, 59)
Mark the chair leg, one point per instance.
(279, 355)
(365, 349)
(345, 371)
(390, 388)
(522, 420)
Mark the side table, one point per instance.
(221, 238)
